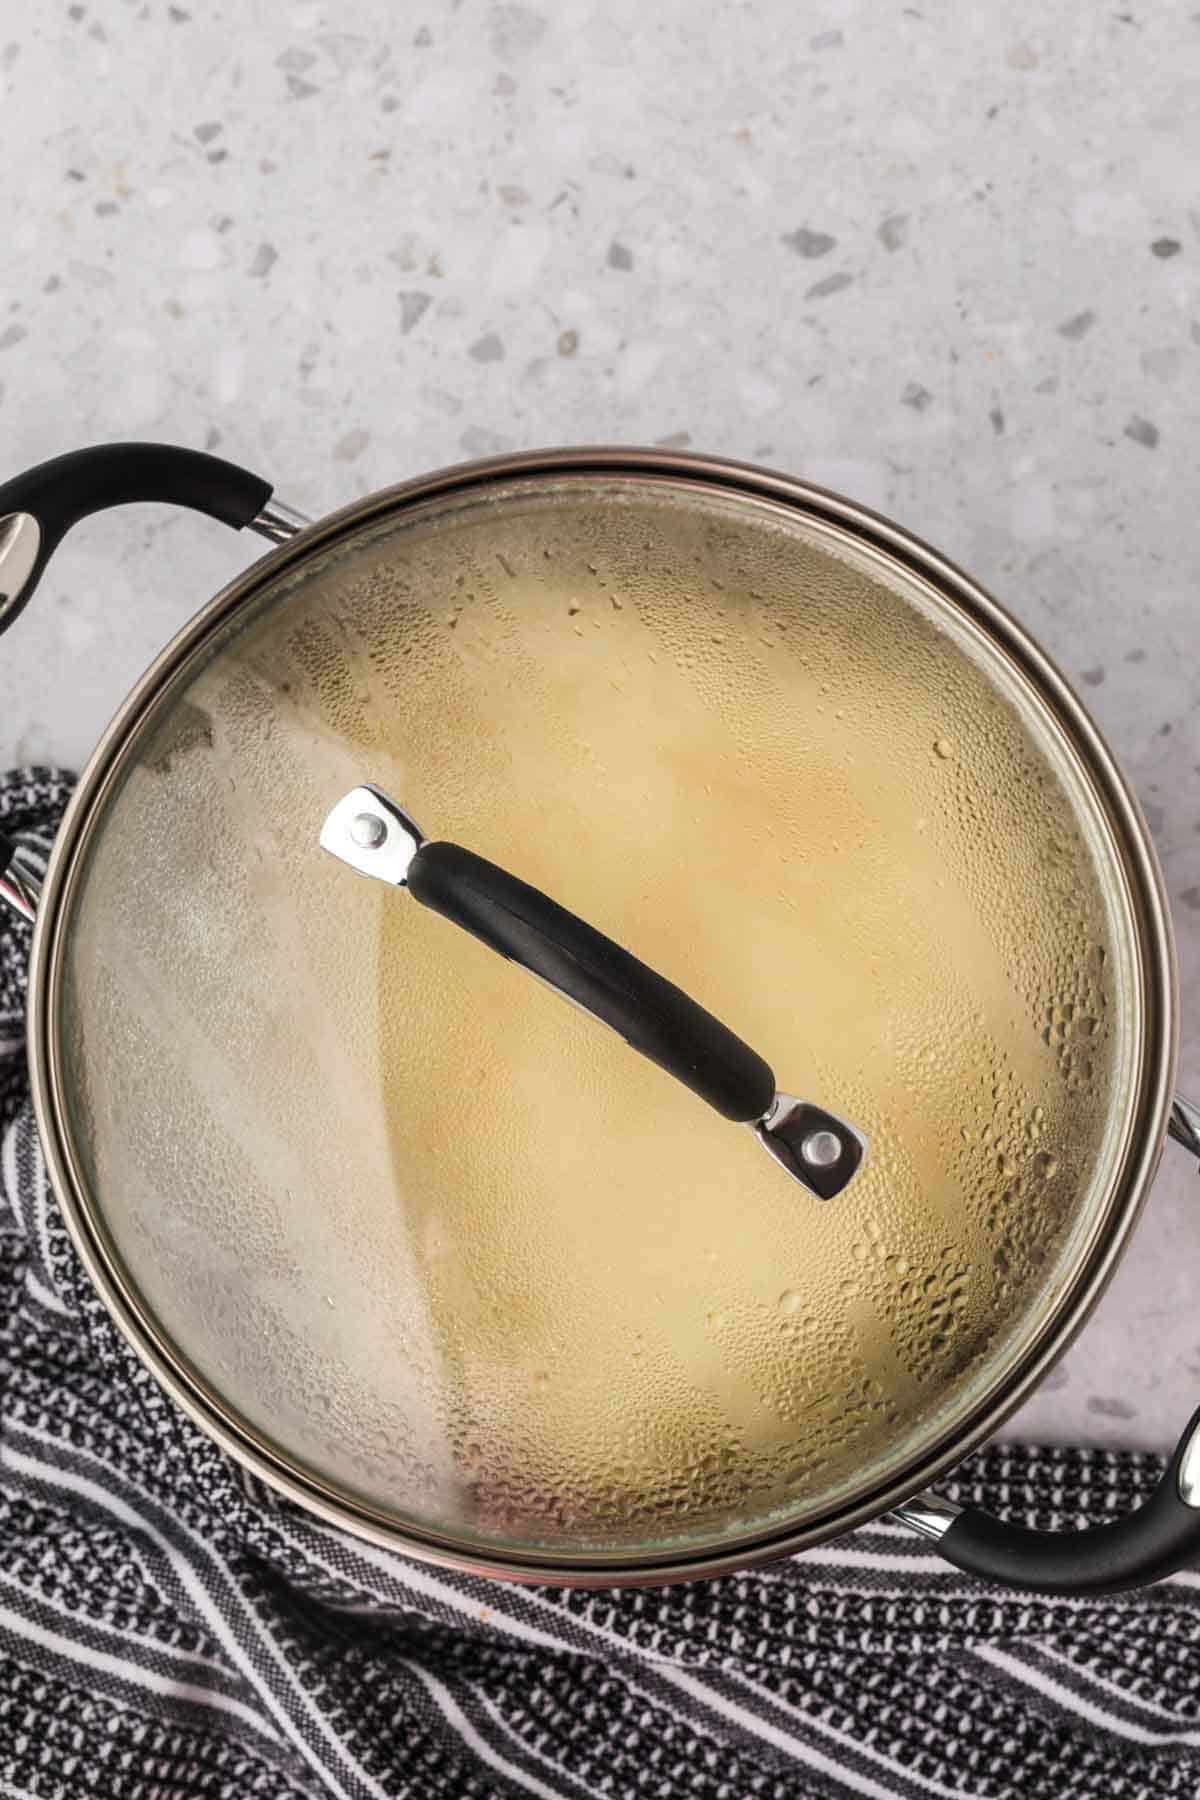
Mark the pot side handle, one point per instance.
(1159, 1539)
(38, 508)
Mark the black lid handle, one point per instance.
(376, 837)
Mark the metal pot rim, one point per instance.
(1155, 958)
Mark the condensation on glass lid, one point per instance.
(443, 1241)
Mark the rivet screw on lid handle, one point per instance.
(376, 837)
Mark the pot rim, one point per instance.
(1079, 1292)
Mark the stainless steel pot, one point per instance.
(601, 661)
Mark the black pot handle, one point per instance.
(1159, 1539)
(38, 508)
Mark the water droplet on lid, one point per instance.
(944, 748)
(790, 1301)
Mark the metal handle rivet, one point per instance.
(368, 830)
(821, 1149)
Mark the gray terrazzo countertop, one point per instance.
(942, 259)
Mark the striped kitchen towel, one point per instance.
(168, 1629)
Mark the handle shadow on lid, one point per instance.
(375, 836)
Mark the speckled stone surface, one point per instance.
(945, 260)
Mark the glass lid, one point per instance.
(452, 1254)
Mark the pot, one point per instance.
(756, 780)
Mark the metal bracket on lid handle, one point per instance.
(376, 837)
(1158, 1539)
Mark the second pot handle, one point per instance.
(38, 508)
(1158, 1539)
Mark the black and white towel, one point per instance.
(168, 1629)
